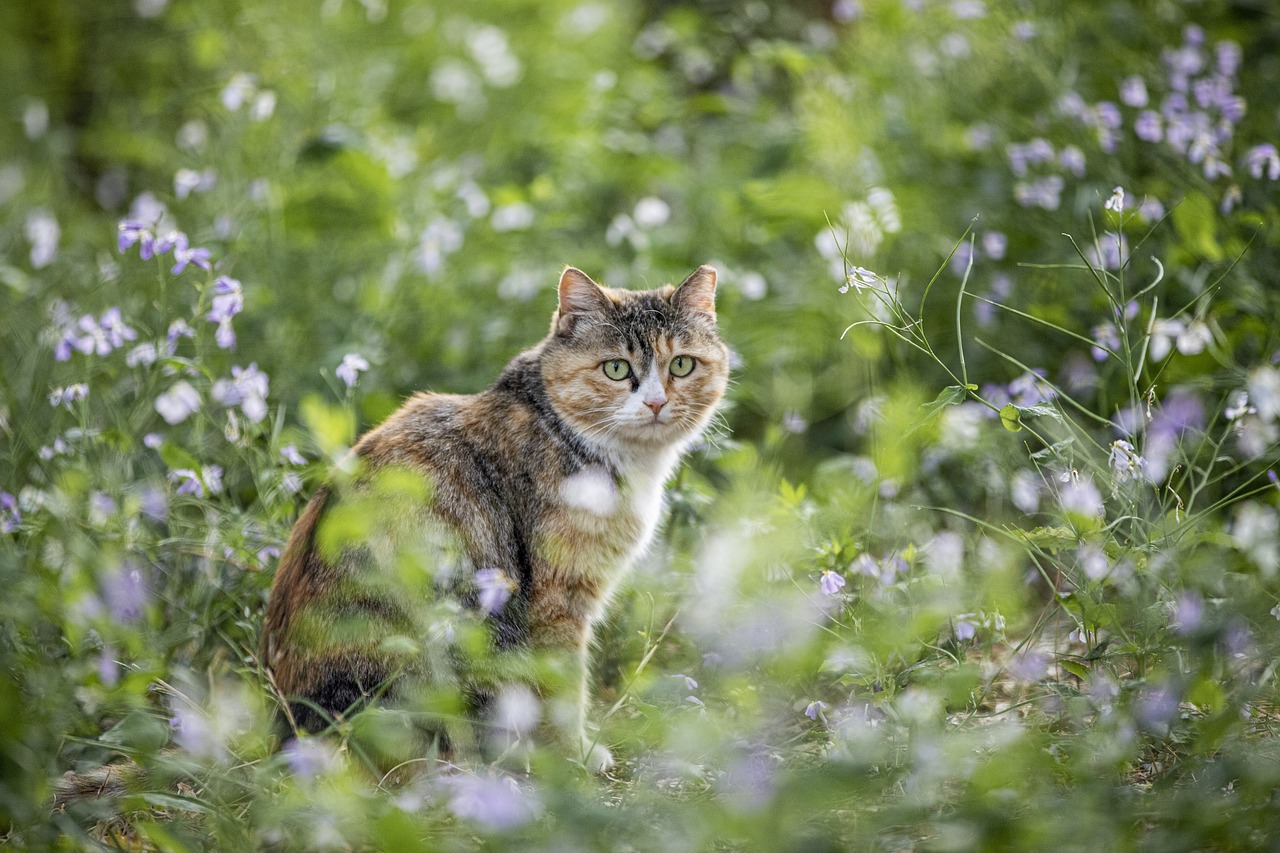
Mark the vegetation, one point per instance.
(987, 556)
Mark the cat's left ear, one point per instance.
(697, 293)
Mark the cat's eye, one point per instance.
(617, 369)
(682, 365)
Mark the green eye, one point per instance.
(682, 365)
(617, 369)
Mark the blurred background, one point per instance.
(405, 179)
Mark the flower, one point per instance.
(1263, 159)
(1133, 92)
(495, 589)
(689, 683)
(309, 757)
(1116, 202)
(859, 278)
(42, 232)
(814, 710)
(291, 455)
(1081, 497)
(178, 403)
(67, 396)
(134, 231)
(831, 582)
(10, 518)
(1125, 462)
(209, 480)
(1188, 613)
(493, 801)
(228, 299)
(965, 630)
(143, 354)
(183, 255)
(247, 389)
(351, 367)
(1239, 407)
(125, 591)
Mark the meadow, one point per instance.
(983, 553)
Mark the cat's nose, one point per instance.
(656, 404)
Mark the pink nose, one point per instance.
(656, 405)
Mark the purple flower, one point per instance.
(831, 582)
(247, 389)
(190, 483)
(1264, 158)
(351, 367)
(134, 231)
(125, 591)
(1148, 126)
(178, 403)
(814, 710)
(1133, 92)
(1188, 613)
(291, 455)
(10, 518)
(1125, 462)
(309, 757)
(493, 801)
(965, 630)
(689, 683)
(1157, 708)
(67, 396)
(183, 254)
(994, 244)
(228, 299)
(495, 589)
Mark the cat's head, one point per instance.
(635, 370)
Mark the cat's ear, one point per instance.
(579, 295)
(697, 293)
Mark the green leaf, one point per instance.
(1052, 538)
(1076, 668)
(1009, 417)
(952, 395)
(1195, 220)
(175, 457)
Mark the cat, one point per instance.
(481, 536)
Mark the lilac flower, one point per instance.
(495, 589)
(131, 231)
(209, 480)
(1045, 193)
(247, 389)
(1157, 708)
(67, 396)
(814, 710)
(1106, 337)
(42, 232)
(144, 354)
(309, 757)
(1030, 666)
(831, 582)
(793, 422)
(689, 683)
(1148, 126)
(10, 518)
(965, 630)
(1081, 497)
(178, 403)
(1188, 613)
(1239, 407)
(228, 300)
(994, 244)
(1264, 158)
(351, 367)
(125, 591)
(1133, 92)
(291, 455)
(183, 255)
(493, 801)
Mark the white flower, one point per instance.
(1125, 462)
(1116, 202)
(178, 403)
(352, 366)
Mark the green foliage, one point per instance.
(994, 569)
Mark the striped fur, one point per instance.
(554, 476)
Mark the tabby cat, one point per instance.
(479, 537)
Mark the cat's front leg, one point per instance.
(565, 645)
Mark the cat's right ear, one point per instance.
(579, 297)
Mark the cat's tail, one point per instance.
(107, 782)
